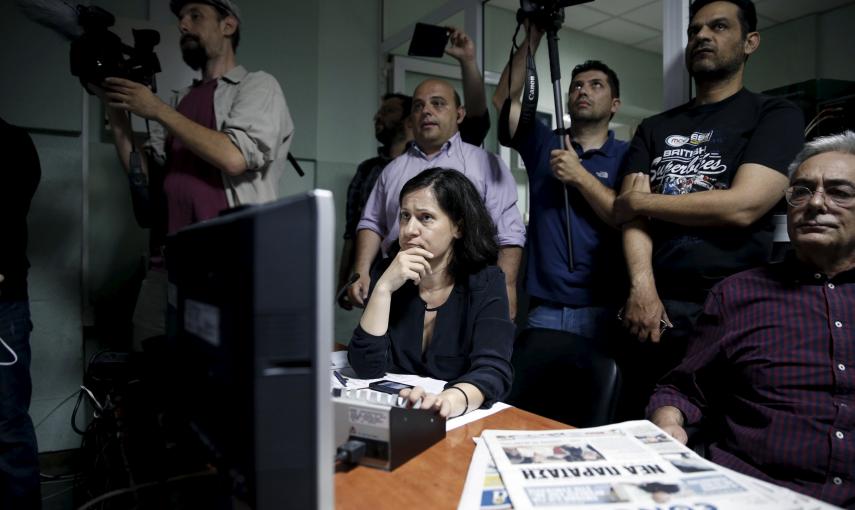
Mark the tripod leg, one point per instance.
(555, 71)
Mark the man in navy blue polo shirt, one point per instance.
(583, 300)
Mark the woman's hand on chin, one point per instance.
(410, 264)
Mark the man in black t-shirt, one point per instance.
(20, 173)
(698, 186)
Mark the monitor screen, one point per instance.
(251, 306)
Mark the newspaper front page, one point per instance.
(484, 489)
(627, 466)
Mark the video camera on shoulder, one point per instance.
(99, 53)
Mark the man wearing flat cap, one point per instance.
(220, 143)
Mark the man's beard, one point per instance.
(719, 72)
(390, 134)
(194, 55)
(587, 116)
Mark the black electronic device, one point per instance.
(250, 330)
(546, 14)
(99, 53)
(96, 52)
(391, 387)
(428, 41)
(392, 432)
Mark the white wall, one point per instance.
(787, 54)
(348, 96)
(55, 223)
(836, 38)
(816, 46)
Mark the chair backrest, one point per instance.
(565, 377)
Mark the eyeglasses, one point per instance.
(842, 195)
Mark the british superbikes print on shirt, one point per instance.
(688, 165)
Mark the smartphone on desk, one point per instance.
(387, 386)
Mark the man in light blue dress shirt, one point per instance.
(436, 113)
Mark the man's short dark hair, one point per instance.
(596, 65)
(747, 13)
(406, 101)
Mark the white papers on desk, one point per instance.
(338, 362)
(628, 466)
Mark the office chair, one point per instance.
(564, 376)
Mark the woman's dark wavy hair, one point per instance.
(457, 197)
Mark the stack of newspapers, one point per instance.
(629, 466)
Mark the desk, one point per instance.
(434, 479)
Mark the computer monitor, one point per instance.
(251, 298)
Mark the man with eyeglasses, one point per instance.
(698, 189)
(770, 370)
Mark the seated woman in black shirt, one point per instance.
(440, 308)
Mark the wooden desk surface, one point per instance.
(434, 479)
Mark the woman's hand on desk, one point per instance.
(418, 398)
(452, 402)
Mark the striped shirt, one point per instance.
(771, 369)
